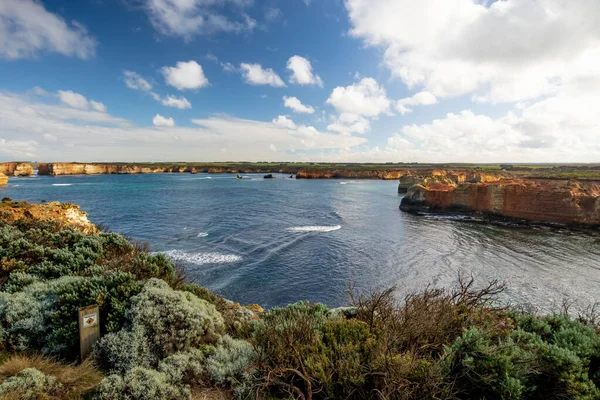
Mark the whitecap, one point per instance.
(314, 228)
(61, 184)
(203, 234)
(201, 258)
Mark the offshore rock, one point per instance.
(16, 169)
(529, 200)
(64, 215)
(3, 179)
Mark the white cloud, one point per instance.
(284, 122)
(79, 101)
(50, 137)
(272, 147)
(27, 122)
(364, 98)
(302, 72)
(185, 75)
(273, 14)
(420, 99)
(27, 28)
(297, 106)
(504, 51)
(178, 102)
(134, 81)
(187, 18)
(227, 66)
(254, 74)
(348, 124)
(159, 120)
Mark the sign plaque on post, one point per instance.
(89, 329)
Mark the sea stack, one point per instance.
(3, 179)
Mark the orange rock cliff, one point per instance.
(530, 200)
(3, 179)
(16, 169)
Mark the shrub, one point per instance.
(29, 383)
(140, 384)
(174, 320)
(185, 367)
(71, 381)
(230, 361)
(123, 350)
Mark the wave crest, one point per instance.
(314, 228)
(201, 258)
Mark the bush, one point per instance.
(140, 384)
(121, 351)
(173, 320)
(70, 381)
(185, 367)
(29, 383)
(230, 361)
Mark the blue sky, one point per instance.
(365, 80)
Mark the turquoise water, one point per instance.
(278, 241)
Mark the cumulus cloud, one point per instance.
(178, 102)
(302, 72)
(188, 18)
(79, 101)
(254, 74)
(27, 28)
(159, 120)
(273, 14)
(26, 124)
(284, 122)
(297, 106)
(420, 99)
(227, 66)
(506, 51)
(185, 75)
(134, 81)
(348, 124)
(364, 98)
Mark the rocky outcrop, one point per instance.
(349, 174)
(64, 215)
(446, 177)
(542, 201)
(16, 169)
(3, 179)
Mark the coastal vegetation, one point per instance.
(165, 337)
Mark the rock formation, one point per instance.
(3, 179)
(16, 169)
(534, 200)
(64, 215)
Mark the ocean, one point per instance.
(274, 242)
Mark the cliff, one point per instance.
(63, 215)
(447, 177)
(3, 179)
(544, 201)
(350, 174)
(16, 169)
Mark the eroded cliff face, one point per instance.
(545, 201)
(350, 174)
(446, 177)
(3, 179)
(64, 215)
(16, 169)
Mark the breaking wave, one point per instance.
(201, 258)
(203, 234)
(61, 184)
(314, 228)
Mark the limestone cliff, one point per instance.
(3, 179)
(16, 169)
(545, 201)
(64, 215)
(447, 177)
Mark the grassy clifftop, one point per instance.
(166, 338)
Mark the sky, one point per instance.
(300, 80)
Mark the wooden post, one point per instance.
(89, 329)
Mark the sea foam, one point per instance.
(314, 228)
(201, 258)
(61, 184)
(203, 234)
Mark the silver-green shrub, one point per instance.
(140, 384)
(230, 361)
(185, 367)
(23, 324)
(121, 351)
(28, 384)
(174, 320)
